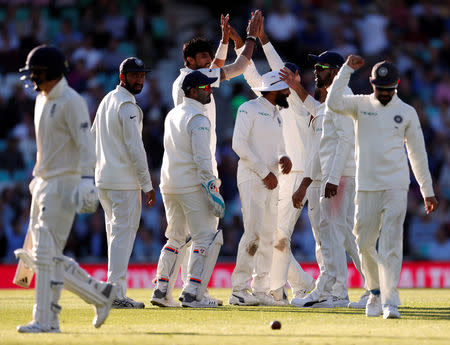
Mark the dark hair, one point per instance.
(195, 46)
(264, 92)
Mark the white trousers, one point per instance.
(52, 208)
(188, 214)
(379, 216)
(122, 216)
(255, 251)
(336, 225)
(284, 265)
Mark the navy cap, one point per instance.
(333, 59)
(384, 73)
(132, 64)
(292, 66)
(194, 79)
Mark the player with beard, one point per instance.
(122, 172)
(259, 143)
(385, 126)
(331, 164)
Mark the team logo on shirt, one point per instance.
(84, 126)
(398, 119)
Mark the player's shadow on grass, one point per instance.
(305, 335)
(406, 312)
(427, 313)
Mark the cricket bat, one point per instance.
(24, 273)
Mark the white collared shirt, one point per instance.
(121, 157)
(64, 143)
(258, 139)
(178, 95)
(382, 132)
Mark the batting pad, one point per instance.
(76, 280)
(212, 254)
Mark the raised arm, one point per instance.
(243, 60)
(222, 50)
(336, 100)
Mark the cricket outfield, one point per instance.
(425, 320)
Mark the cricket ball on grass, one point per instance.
(275, 324)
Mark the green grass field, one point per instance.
(425, 320)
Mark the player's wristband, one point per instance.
(253, 38)
(222, 51)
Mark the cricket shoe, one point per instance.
(390, 311)
(340, 302)
(219, 301)
(35, 327)
(326, 302)
(361, 304)
(266, 299)
(280, 295)
(160, 299)
(102, 311)
(242, 298)
(306, 301)
(190, 301)
(373, 307)
(300, 293)
(127, 303)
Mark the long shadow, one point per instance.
(303, 335)
(425, 313)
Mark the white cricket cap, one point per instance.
(271, 82)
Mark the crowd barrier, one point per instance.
(417, 274)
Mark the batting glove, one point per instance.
(85, 196)
(215, 200)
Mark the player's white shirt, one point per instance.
(187, 160)
(64, 143)
(178, 95)
(121, 157)
(313, 169)
(337, 146)
(258, 139)
(381, 135)
(295, 118)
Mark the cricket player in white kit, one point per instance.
(122, 172)
(296, 135)
(259, 143)
(333, 216)
(62, 185)
(198, 55)
(191, 199)
(384, 125)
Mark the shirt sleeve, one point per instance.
(272, 56)
(313, 169)
(336, 100)
(79, 123)
(311, 104)
(131, 119)
(417, 155)
(251, 74)
(346, 138)
(199, 129)
(241, 136)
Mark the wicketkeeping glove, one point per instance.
(85, 196)
(215, 200)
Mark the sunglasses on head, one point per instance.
(205, 87)
(319, 67)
